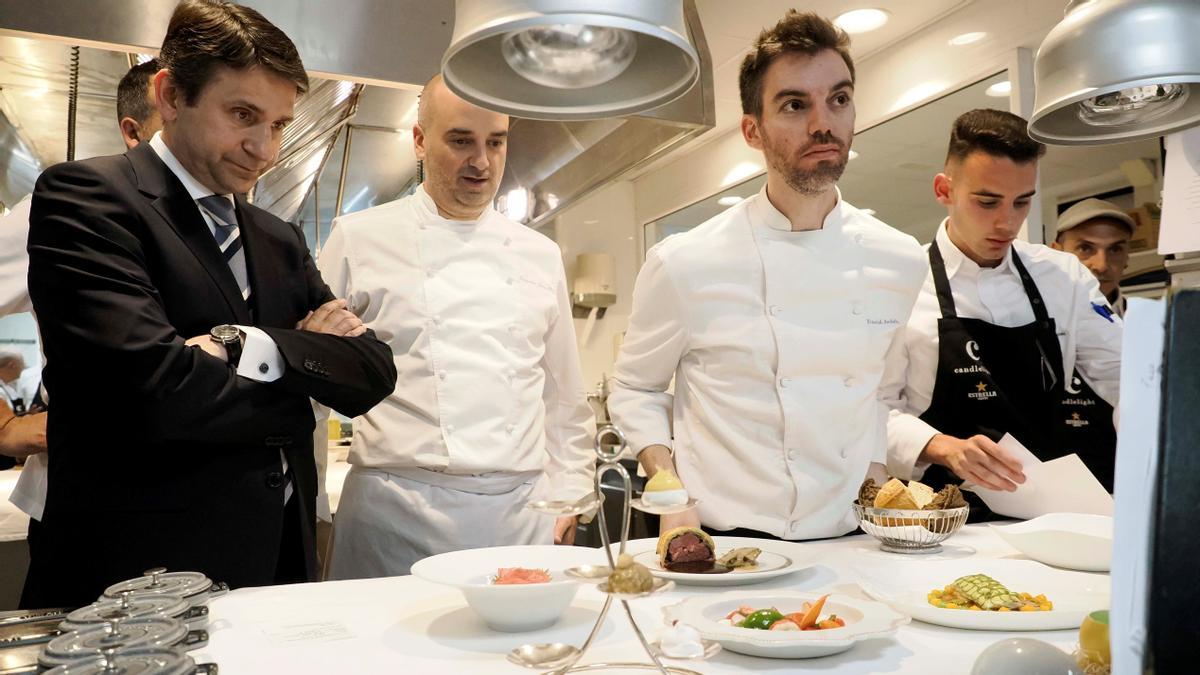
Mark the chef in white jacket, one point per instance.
(489, 409)
(773, 317)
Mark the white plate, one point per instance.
(905, 585)
(516, 607)
(771, 564)
(864, 619)
(1075, 541)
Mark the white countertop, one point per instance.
(14, 524)
(405, 624)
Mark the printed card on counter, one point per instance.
(1063, 485)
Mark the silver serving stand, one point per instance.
(561, 658)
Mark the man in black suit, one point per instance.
(185, 332)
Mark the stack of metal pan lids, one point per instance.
(142, 626)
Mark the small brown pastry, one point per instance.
(867, 492)
(949, 497)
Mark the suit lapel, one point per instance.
(176, 207)
(262, 265)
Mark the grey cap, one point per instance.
(1093, 208)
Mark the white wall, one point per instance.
(603, 222)
(919, 69)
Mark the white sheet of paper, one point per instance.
(1136, 472)
(1063, 485)
(1179, 231)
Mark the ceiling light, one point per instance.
(861, 20)
(730, 200)
(853, 154)
(967, 38)
(570, 59)
(1117, 70)
(1000, 89)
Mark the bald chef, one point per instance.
(489, 409)
(773, 317)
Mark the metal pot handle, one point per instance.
(194, 639)
(197, 613)
(205, 669)
(218, 589)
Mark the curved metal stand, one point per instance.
(608, 462)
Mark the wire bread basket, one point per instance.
(907, 531)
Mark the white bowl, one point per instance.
(1076, 541)
(510, 608)
(864, 619)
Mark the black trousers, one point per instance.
(290, 568)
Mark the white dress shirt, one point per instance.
(479, 322)
(1089, 341)
(14, 259)
(776, 340)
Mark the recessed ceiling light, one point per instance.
(729, 201)
(861, 20)
(967, 38)
(1000, 89)
(853, 154)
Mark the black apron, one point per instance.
(993, 380)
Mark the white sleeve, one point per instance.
(261, 359)
(654, 343)
(569, 423)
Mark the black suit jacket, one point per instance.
(160, 454)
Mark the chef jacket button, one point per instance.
(858, 238)
(437, 320)
(449, 428)
(784, 382)
(263, 368)
(507, 241)
(844, 452)
(421, 225)
(442, 375)
(793, 454)
(429, 273)
(274, 479)
(508, 428)
(849, 382)
(510, 281)
(856, 308)
(775, 309)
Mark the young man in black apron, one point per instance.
(998, 325)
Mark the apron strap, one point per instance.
(1051, 365)
(941, 282)
(1031, 290)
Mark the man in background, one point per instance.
(1098, 233)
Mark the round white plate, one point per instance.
(905, 586)
(1075, 541)
(864, 619)
(771, 564)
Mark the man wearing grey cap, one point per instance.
(1098, 233)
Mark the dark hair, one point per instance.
(133, 92)
(204, 34)
(804, 33)
(995, 132)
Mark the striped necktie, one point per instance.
(228, 237)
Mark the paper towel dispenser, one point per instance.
(595, 283)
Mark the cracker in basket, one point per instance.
(895, 495)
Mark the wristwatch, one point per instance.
(231, 338)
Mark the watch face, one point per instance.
(225, 333)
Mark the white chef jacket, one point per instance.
(479, 322)
(776, 341)
(14, 259)
(1089, 341)
(25, 387)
